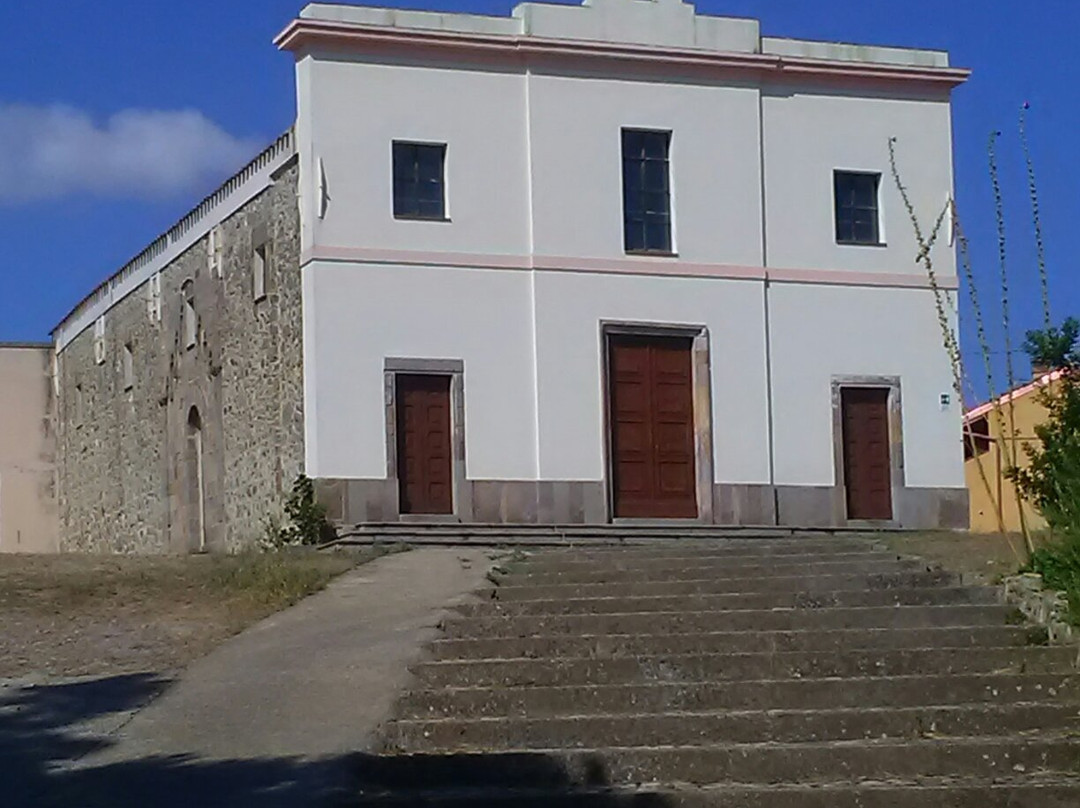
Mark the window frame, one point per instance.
(189, 316)
(260, 258)
(666, 218)
(397, 202)
(878, 224)
(127, 366)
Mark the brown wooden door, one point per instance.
(652, 427)
(867, 464)
(424, 466)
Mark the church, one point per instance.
(617, 263)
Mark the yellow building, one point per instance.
(983, 426)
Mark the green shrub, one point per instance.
(305, 520)
(1052, 479)
(1059, 565)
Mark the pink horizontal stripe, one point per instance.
(443, 259)
(303, 32)
(846, 278)
(658, 266)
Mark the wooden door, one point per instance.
(424, 464)
(867, 462)
(651, 416)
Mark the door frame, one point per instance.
(461, 492)
(701, 392)
(896, 447)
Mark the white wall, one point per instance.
(352, 113)
(821, 331)
(534, 169)
(356, 316)
(575, 136)
(569, 308)
(807, 135)
(360, 315)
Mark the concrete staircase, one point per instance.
(788, 673)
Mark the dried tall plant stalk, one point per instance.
(1036, 218)
(999, 213)
(984, 350)
(942, 301)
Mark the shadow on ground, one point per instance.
(46, 730)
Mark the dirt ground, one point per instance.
(74, 615)
(986, 558)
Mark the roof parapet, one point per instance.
(668, 24)
(223, 202)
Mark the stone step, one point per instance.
(784, 694)
(739, 601)
(569, 561)
(693, 729)
(521, 589)
(688, 571)
(689, 546)
(1045, 792)
(748, 620)
(629, 560)
(577, 672)
(577, 536)
(744, 763)
(735, 642)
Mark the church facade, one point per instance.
(579, 265)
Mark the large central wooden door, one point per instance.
(652, 427)
(424, 464)
(867, 463)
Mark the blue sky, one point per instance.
(154, 103)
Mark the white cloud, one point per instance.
(55, 151)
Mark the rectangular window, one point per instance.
(190, 319)
(128, 368)
(419, 184)
(214, 252)
(80, 405)
(258, 273)
(646, 191)
(99, 340)
(856, 207)
(153, 298)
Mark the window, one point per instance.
(99, 340)
(646, 191)
(258, 273)
(80, 405)
(977, 438)
(189, 317)
(153, 298)
(214, 250)
(856, 207)
(419, 187)
(128, 366)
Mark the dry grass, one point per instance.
(76, 614)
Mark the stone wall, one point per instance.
(231, 404)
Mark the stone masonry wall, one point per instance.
(126, 457)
